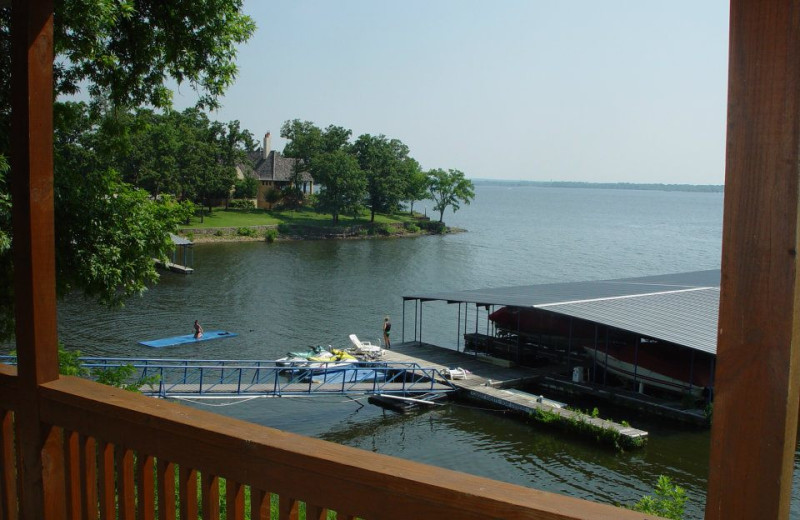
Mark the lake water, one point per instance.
(286, 296)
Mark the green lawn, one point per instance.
(221, 217)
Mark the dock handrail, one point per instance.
(206, 377)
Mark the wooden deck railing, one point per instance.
(117, 454)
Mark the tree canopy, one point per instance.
(122, 53)
(449, 189)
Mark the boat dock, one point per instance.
(492, 383)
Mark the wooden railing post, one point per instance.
(754, 430)
(33, 242)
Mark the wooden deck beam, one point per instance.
(754, 430)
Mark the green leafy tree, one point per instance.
(416, 184)
(304, 142)
(449, 189)
(122, 53)
(272, 196)
(246, 188)
(383, 161)
(343, 183)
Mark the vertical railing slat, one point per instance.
(106, 482)
(234, 500)
(145, 488)
(287, 508)
(53, 475)
(166, 489)
(88, 469)
(187, 483)
(259, 505)
(210, 492)
(72, 461)
(8, 468)
(126, 490)
(316, 512)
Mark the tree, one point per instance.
(382, 161)
(272, 196)
(305, 141)
(416, 184)
(122, 53)
(343, 183)
(449, 188)
(246, 188)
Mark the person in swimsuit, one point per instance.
(387, 326)
(198, 330)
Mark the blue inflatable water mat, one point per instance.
(188, 338)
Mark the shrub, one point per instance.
(218, 233)
(284, 229)
(270, 235)
(241, 204)
(434, 227)
(246, 232)
(669, 500)
(411, 227)
(382, 229)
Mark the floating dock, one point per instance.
(488, 382)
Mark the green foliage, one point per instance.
(107, 233)
(578, 422)
(218, 233)
(246, 232)
(431, 226)
(449, 189)
(416, 185)
(240, 204)
(246, 188)
(343, 183)
(272, 196)
(123, 53)
(381, 229)
(120, 377)
(69, 363)
(411, 227)
(284, 229)
(385, 163)
(669, 500)
(271, 235)
(127, 50)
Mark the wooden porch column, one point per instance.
(33, 242)
(754, 430)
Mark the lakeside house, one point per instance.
(273, 172)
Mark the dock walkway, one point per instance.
(487, 382)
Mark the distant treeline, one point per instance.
(706, 188)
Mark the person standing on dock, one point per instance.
(198, 330)
(387, 327)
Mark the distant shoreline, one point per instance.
(699, 188)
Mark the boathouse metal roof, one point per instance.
(681, 308)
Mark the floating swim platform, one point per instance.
(188, 338)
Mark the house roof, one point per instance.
(275, 167)
(681, 308)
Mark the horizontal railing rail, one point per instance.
(127, 456)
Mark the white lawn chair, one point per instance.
(365, 347)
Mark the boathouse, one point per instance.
(654, 336)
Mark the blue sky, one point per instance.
(599, 91)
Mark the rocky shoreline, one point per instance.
(214, 236)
